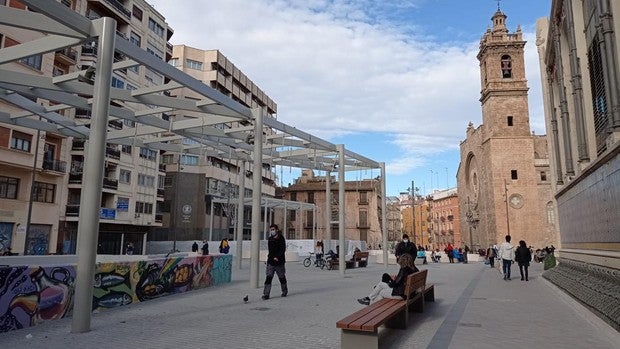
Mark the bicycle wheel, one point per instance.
(321, 263)
(328, 265)
(307, 262)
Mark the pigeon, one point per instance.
(246, 298)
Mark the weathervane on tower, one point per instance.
(498, 1)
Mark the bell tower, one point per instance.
(502, 76)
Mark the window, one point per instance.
(150, 48)
(189, 160)
(173, 62)
(509, 120)
(44, 192)
(160, 181)
(146, 180)
(156, 28)
(363, 197)
(311, 197)
(131, 87)
(167, 159)
(363, 216)
(153, 77)
(144, 207)
(292, 215)
(599, 97)
(293, 196)
(118, 82)
(550, 213)
(21, 141)
(33, 61)
(125, 176)
(513, 174)
(190, 63)
(148, 154)
(126, 149)
(137, 12)
(506, 67)
(135, 38)
(543, 176)
(129, 123)
(122, 205)
(8, 187)
(168, 182)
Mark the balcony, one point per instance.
(72, 210)
(162, 167)
(113, 153)
(450, 218)
(75, 178)
(362, 202)
(82, 113)
(55, 165)
(78, 144)
(110, 183)
(168, 51)
(160, 193)
(114, 8)
(89, 50)
(116, 124)
(66, 56)
(159, 218)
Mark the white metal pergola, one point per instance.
(282, 145)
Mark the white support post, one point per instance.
(341, 215)
(314, 223)
(328, 211)
(285, 219)
(88, 223)
(265, 211)
(211, 221)
(301, 223)
(144, 238)
(257, 167)
(384, 215)
(240, 210)
(122, 243)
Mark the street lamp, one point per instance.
(413, 191)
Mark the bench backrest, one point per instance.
(360, 255)
(415, 282)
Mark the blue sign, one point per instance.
(122, 205)
(107, 213)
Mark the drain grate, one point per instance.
(469, 324)
(260, 308)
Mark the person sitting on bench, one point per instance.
(392, 288)
(421, 254)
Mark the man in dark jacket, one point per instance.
(275, 261)
(405, 246)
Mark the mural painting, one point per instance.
(31, 295)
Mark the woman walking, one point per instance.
(523, 256)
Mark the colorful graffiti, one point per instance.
(31, 295)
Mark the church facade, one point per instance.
(503, 178)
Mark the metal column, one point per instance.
(257, 168)
(285, 218)
(341, 215)
(88, 224)
(240, 210)
(384, 215)
(328, 211)
(211, 222)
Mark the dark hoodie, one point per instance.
(399, 283)
(277, 248)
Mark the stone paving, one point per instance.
(474, 308)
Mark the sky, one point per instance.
(396, 81)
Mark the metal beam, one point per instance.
(35, 21)
(38, 46)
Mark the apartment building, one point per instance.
(394, 218)
(133, 182)
(212, 177)
(579, 54)
(362, 209)
(443, 219)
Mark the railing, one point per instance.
(116, 124)
(159, 218)
(160, 193)
(119, 6)
(78, 144)
(89, 50)
(110, 183)
(113, 153)
(162, 167)
(72, 210)
(75, 178)
(55, 165)
(69, 53)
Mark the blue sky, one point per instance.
(396, 81)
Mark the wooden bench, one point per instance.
(334, 264)
(361, 258)
(360, 329)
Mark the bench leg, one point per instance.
(399, 321)
(417, 305)
(359, 340)
(429, 295)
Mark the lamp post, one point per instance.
(413, 190)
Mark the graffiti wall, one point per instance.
(31, 295)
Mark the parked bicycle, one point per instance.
(313, 260)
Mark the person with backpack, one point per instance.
(523, 256)
(491, 254)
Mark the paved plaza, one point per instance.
(474, 308)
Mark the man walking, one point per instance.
(275, 261)
(507, 255)
(405, 246)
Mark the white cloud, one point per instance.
(338, 67)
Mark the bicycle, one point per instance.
(320, 262)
